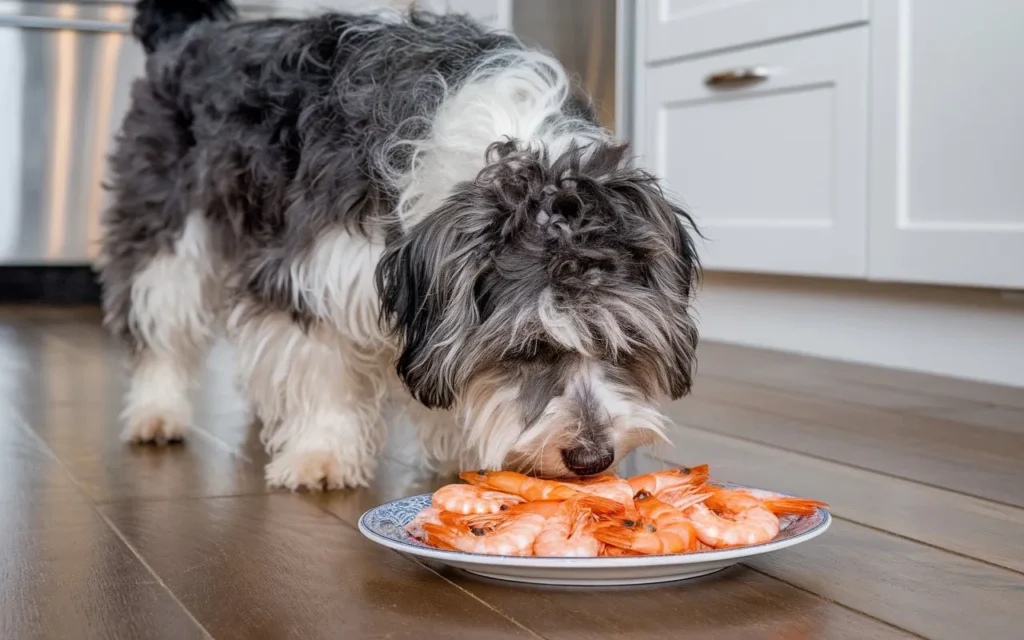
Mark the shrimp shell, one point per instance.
(466, 499)
(513, 536)
(520, 485)
(659, 481)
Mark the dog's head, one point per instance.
(548, 302)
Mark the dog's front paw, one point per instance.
(155, 430)
(318, 471)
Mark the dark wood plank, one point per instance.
(812, 378)
(769, 362)
(996, 417)
(276, 567)
(734, 604)
(987, 463)
(64, 572)
(924, 590)
(971, 526)
(87, 442)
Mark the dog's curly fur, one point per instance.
(351, 196)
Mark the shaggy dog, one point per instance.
(352, 197)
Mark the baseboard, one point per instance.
(963, 333)
(50, 284)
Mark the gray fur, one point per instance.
(280, 131)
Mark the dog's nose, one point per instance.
(588, 462)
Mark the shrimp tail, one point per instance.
(615, 535)
(601, 507)
(685, 497)
(793, 506)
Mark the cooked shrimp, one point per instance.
(615, 552)
(464, 498)
(721, 499)
(655, 483)
(415, 528)
(606, 486)
(520, 485)
(735, 518)
(662, 529)
(570, 533)
(512, 535)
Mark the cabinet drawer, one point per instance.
(772, 168)
(677, 28)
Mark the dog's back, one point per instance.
(276, 130)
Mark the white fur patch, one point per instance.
(173, 311)
(513, 94)
(336, 282)
(320, 405)
(171, 301)
(633, 422)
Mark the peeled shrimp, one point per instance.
(570, 532)
(735, 518)
(659, 481)
(520, 485)
(510, 535)
(661, 529)
(465, 499)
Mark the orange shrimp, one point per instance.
(655, 483)
(415, 528)
(505, 534)
(615, 552)
(662, 529)
(520, 485)
(736, 518)
(465, 499)
(570, 532)
(606, 486)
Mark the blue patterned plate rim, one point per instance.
(385, 525)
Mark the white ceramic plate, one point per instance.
(386, 525)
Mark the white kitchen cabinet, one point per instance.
(774, 170)
(947, 143)
(677, 28)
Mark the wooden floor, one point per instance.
(98, 539)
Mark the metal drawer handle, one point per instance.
(737, 77)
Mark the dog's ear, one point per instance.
(671, 268)
(425, 280)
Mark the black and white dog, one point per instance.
(348, 197)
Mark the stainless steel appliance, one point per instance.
(587, 37)
(65, 71)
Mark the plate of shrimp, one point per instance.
(601, 531)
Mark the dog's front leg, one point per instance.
(319, 402)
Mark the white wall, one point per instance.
(965, 333)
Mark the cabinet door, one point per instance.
(773, 171)
(947, 155)
(677, 28)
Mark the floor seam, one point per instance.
(461, 589)
(903, 413)
(836, 603)
(110, 525)
(851, 465)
